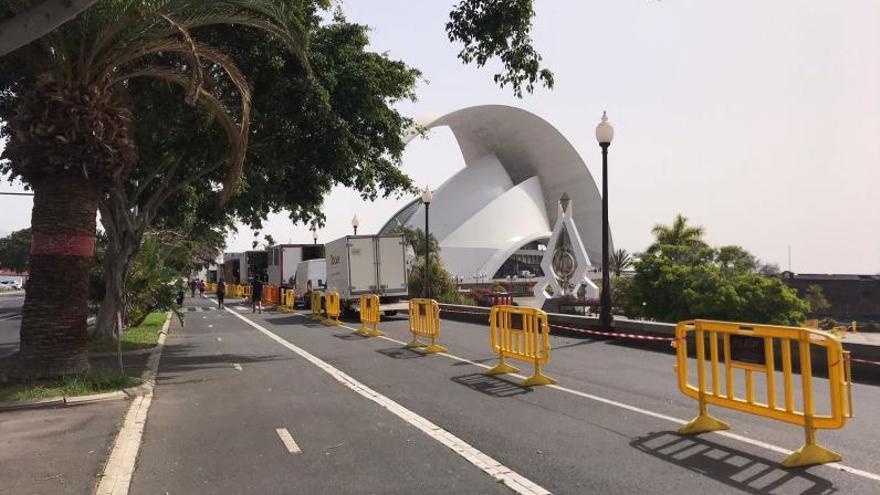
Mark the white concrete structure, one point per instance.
(506, 197)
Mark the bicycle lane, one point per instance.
(564, 443)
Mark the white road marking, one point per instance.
(210, 326)
(490, 466)
(733, 436)
(288, 441)
(237, 367)
(219, 339)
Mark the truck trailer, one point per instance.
(284, 258)
(368, 264)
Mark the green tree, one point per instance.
(815, 296)
(15, 250)
(68, 105)
(687, 281)
(415, 238)
(621, 260)
(679, 234)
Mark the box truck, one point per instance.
(368, 264)
(284, 259)
(240, 268)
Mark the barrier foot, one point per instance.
(809, 455)
(502, 368)
(434, 349)
(537, 379)
(702, 424)
(364, 332)
(414, 344)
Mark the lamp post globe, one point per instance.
(427, 197)
(604, 135)
(354, 223)
(314, 236)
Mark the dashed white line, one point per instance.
(288, 441)
(237, 367)
(490, 466)
(219, 339)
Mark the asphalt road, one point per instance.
(10, 321)
(608, 428)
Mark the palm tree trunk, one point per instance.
(53, 326)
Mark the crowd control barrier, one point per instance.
(315, 304)
(752, 348)
(332, 308)
(369, 305)
(530, 343)
(424, 321)
(287, 301)
(245, 292)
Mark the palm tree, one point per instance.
(620, 261)
(72, 139)
(677, 234)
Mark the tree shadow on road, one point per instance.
(745, 472)
(492, 386)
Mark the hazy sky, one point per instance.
(758, 120)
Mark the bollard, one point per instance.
(369, 306)
(751, 349)
(331, 307)
(424, 320)
(530, 344)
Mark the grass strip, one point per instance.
(143, 336)
(90, 383)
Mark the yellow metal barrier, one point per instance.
(369, 304)
(315, 304)
(530, 343)
(287, 299)
(331, 307)
(245, 292)
(751, 348)
(424, 321)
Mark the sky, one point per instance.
(757, 120)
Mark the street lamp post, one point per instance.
(426, 200)
(354, 223)
(314, 236)
(605, 134)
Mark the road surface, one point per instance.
(277, 403)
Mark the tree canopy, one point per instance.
(15, 250)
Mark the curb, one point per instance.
(148, 377)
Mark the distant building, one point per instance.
(852, 297)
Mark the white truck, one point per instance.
(310, 275)
(368, 264)
(284, 259)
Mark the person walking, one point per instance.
(192, 287)
(256, 295)
(221, 292)
(202, 288)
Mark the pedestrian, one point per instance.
(221, 292)
(202, 288)
(192, 287)
(180, 296)
(256, 295)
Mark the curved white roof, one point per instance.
(517, 166)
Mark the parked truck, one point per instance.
(283, 260)
(310, 275)
(368, 264)
(240, 268)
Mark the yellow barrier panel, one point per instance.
(751, 348)
(369, 304)
(287, 298)
(424, 321)
(315, 304)
(245, 292)
(331, 307)
(531, 343)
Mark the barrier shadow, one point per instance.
(401, 353)
(350, 336)
(737, 469)
(493, 386)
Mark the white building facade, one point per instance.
(502, 206)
